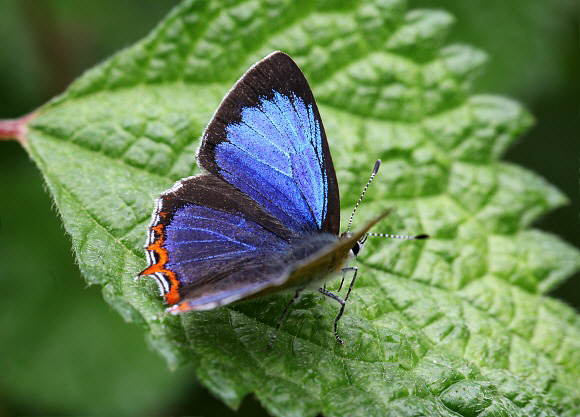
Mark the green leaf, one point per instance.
(459, 324)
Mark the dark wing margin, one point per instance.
(267, 139)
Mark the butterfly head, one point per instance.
(358, 245)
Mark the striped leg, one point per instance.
(283, 316)
(340, 300)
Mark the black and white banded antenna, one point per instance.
(387, 235)
(375, 170)
(421, 236)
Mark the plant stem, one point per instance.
(15, 129)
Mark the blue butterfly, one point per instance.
(266, 216)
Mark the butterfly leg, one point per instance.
(340, 300)
(283, 316)
(343, 270)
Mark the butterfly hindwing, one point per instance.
(202, 226)
(267, 140)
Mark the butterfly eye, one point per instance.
(356, 249)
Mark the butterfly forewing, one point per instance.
(267, 140)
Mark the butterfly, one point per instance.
(265, 217)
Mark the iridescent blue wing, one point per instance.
(202, 229)
(267, 140)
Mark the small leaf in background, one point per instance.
(458, 324)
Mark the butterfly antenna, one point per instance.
(422, 236)
(375, 170)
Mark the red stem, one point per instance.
(15, 129)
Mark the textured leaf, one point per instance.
(458, 324)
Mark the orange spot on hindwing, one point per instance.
(161, 259)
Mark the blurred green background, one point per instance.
(63, 350)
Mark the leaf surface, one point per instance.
(456, 325)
